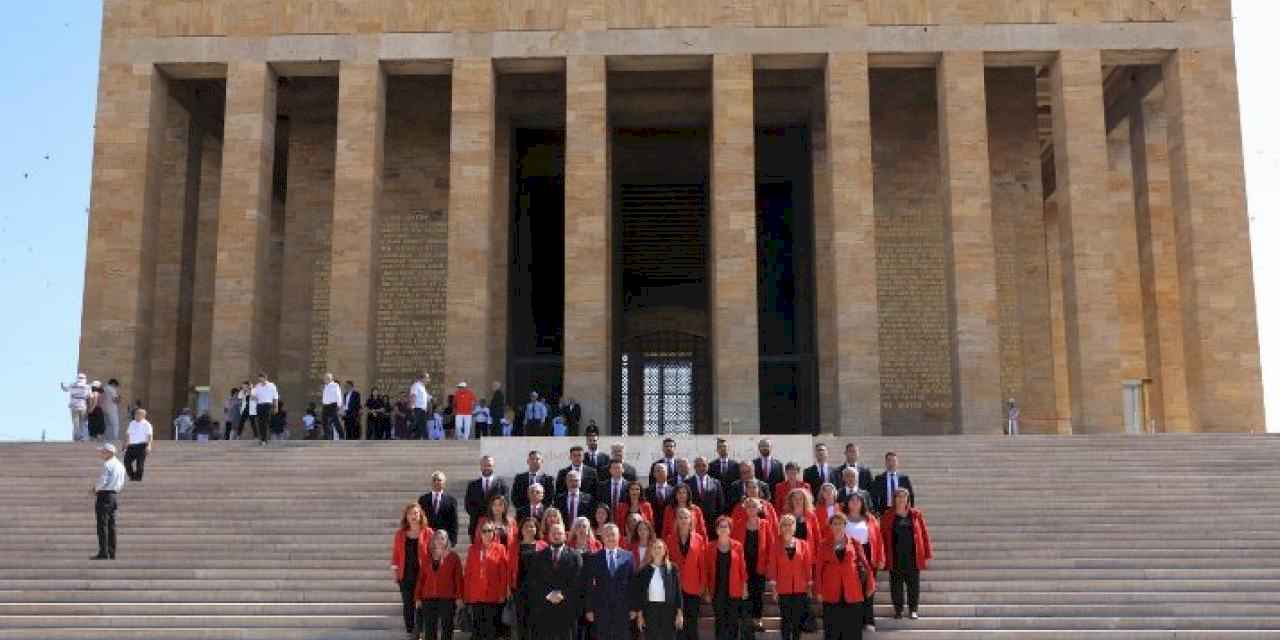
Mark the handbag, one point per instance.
(464, 620)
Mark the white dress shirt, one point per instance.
(265, 392)
(857, 531)
(418, 396)
(112, 477)
(139, 432)
(657, 590)
(332, 393)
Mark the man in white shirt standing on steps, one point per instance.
(419, 403)
(330, 398)
(78, 402)
(106, 491)
(138, 436)
(267, 396)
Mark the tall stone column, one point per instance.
(115, 338)
(469, 290)
(735, 352)
(588, 251)
(357, 194)
(244, 219)
(966, 198)
(848, 326)
(1215, 269)
(1090, 244)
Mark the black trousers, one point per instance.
(437, 619)
(842, 621)
(910, 581)
(660, 621)
(692, 611)
(794, 607)
(105, 511)
(869, 611)
(135, 459)
(733, 619)
(262, 422)
(351, 426)
(329, 419)
(407, 609)
(755, 591)
(535, 428)
(487, 618)
(419, 428)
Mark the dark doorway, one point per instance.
(784, 226)
(665, 384)
(536, 280)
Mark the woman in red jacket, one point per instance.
(686, 548)
(683, 499)
(791, 569)
(753, 529)
(844, 582)
(488, 582)
(641, 538)
(726, 583)
(408, 550)
(799, 505)
(439, 588)
(503, 517)
(752, 490)
(782, 490)
(907, 551)
(633, 503)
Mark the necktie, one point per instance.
(485, 484)
(893, 484)
(612, 562)
(615, 492)
(824, 474)
(555, 557)
(436, 506)
(573, 506)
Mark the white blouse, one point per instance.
(857, 531)
(657, 591)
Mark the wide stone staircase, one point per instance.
(1040, 537)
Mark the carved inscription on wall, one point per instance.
(911, 258)
(413, 235)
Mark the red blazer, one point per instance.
(814, 530)
(510, 526)
(737, 568)
(837, 576)
(442, 584)
(623, 509)
(593, 545)
(513, 556)
(792, 575)
(669, 520)
(924, 549)
(771, 514)
(820, 514)
(876, 539)
(397, 549)
(488, 581)
(692, 573)
(768, 534)
(783, 489)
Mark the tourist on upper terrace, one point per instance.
(535, 416)
(111, 409)
(907, 551)
(498, 401)
(106, 492)
(78, 401)
(440, 507)
(377, 418)
(96, 418)
(351, 412)
(408, 553)
(484, 420)
(268, 399)
(419, 404)
(1014, 415)
(138, 438)
(330, 401)
(464, 403)
(890, 481)
(231, 410)
(572, 412)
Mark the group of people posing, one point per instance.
(592, 552)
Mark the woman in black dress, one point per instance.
(656, 598)
(529, 544)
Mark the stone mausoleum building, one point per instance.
(853, 216)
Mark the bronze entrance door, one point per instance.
(664, 384)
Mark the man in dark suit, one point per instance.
(723, 468)
(607, 576)
(535, 475)
(708, 493)
(497, 403)
(851, 453)
(612, 490)
(480, 491)
(618, 451)
(572, 416)
(768, 468)
(586, 473)
(848, 487)
(351, 412)
(594, 457)
(440, 507)
(535, 503)
(659, 494)
(668, 460)
(885, 484)
(555, 589)
(738, 490)
(822, 470)
(574, 502)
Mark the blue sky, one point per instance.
(49, 75)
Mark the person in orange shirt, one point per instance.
(791, 569)
(844, 580)
(686, 547)
(408, 551)
(488, 582)
(784, 488)
(464, 402)
(439, 588)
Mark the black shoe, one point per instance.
(100, 557)
(897, 615)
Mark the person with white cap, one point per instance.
(464, 402)
(78, 402)
(106, 491)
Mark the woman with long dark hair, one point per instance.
(656, 595)
(522, 552)
(682, 498)
(502, 516)
(408, 552)
(634, 502)
(907, 551)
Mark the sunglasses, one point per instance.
(487, 530)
